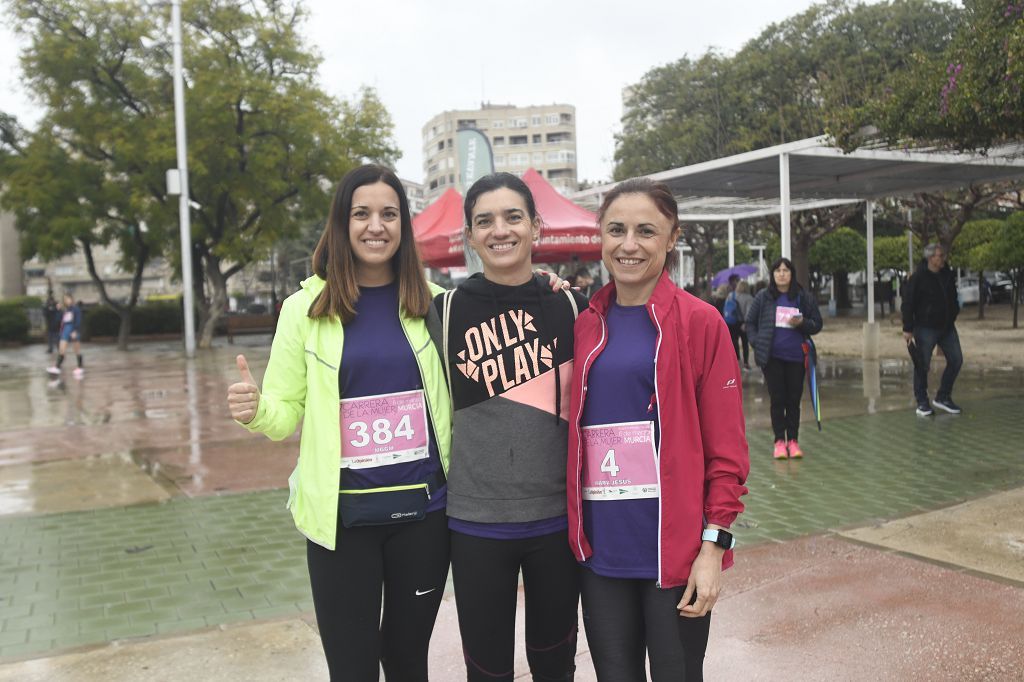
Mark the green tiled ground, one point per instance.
(882, 466)
(88, 577)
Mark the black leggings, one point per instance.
(739, 336)
(486, 577)
(785, 381)
(410, 560)
(624, 616)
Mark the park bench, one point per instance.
(249, 324)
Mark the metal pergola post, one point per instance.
(732, 243)
(784, 203)
(869, 219)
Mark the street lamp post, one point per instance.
(184, 204)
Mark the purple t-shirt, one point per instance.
(620, 388)
(787, 342)
(377, 360)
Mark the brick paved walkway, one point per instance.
(94, 576)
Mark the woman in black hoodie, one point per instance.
(506, 340)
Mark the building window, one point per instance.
(451, 179)
(440, 146)
(467, 123)
(499, 142)
(518, 139)
(498, 124)
(449, 143)
(535, 119)
(441, 181)
(536, 139)
(521, 123)
(499, 159)
(565, 119)
(538, 157)
(559, 137)
(433, 184)
(551, 119)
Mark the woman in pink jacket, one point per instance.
(657, 449)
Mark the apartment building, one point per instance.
(539, 137)
(416, 195)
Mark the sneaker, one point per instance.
(780, 450)
(924, 410)
(946, 404)
(78, 372)
(53, 370)
(794, 450)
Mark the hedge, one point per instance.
(158, 317)
(13, 322)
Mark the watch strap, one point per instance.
(723, 539)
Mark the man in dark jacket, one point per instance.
(930, 307)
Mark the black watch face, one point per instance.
(724, 539)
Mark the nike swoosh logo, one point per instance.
(420, 594)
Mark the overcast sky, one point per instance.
(425, 57)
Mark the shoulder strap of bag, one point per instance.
(572, 302)
(445, 318)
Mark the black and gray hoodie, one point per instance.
(510, 430)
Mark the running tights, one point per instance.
(410, 561)
(486, 576)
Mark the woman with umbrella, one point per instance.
(781, 317)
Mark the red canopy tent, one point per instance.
(441, 217)
(568, 231)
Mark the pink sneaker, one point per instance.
(53, 370)
(780, 450)
(794, 450)
(78, 372)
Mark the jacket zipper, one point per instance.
(657, 452)
(579, 440)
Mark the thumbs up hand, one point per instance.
(244, 396)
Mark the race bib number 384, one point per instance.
(619, 462)
(383, 429)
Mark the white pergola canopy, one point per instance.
(810, 174)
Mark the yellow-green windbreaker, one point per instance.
(301, 382)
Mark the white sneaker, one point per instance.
(78, 372)
(53, 370)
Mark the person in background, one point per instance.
(743, 300)
(70, 332)
(51, 316)
(930, 308)
(779, 320)
(657, 450)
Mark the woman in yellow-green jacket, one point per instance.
(353, 360)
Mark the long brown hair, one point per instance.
(335, 263)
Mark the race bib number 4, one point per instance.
(383, 429)
(619, 462)
(783, 314)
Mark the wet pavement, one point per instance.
(137, 522)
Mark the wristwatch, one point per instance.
(722, 538)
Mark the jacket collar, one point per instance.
(662, 296)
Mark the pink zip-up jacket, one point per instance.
(702, 455)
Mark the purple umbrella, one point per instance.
(722, 276)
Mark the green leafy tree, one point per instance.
(891, 254)
(265, 142)
(814, 72)
(995, 245)
(91, 175)
(970, 95)
(839, 253)
(720, 257)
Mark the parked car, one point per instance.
(968, 290)
(1002, 289)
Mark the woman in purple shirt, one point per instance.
(779, 319)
